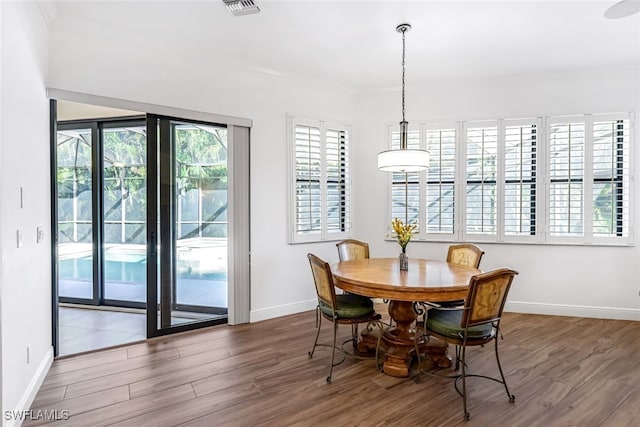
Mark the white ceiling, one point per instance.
(354, 43)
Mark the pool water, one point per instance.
(124, 268)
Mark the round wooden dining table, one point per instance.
(425, 280)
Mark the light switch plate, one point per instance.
(19, 238)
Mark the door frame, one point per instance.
(239, 287)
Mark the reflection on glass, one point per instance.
(75, 239)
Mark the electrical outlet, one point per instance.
(19, 238)
(39, 234)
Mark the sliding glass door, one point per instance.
(189, 242)
(142, 218)
(105, 204)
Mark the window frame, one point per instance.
(324, 235)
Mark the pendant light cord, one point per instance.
(403, 71)
(406, 175)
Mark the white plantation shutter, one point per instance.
(561, 180)
(481, 196)
(337, 167)
(308, 194)
(521, 141)
(611, 176)
(566, 177)
(441, 144)
(405, 205)
(320, 197)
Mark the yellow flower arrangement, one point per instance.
(403, 232)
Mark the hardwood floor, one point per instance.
(564, 372)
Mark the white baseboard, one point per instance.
(573, 310)
(282, 310)
(24, 404)
(511, 306)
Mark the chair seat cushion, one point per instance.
(447, 323)
(350, 306)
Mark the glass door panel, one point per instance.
(75, 209)
(192, 224)
(201, 222)
(124, 212)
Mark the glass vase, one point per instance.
(403, 261)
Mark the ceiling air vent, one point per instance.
(241, 7)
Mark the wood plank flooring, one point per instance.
(564, 371)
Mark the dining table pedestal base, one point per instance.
(398, 342)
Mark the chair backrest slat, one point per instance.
(487, 296)
(351, 249)
(323, 279)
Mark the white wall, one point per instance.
(587, 281)
(280, 276)
(552, 279)
(25, 273)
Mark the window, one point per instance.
(320, 194)
(405, 187)
(611, 182)
(566, 178)
(520, 177)
(590, 178)
(561, 180)
(440, 206)
(481, 197)
(426, 198)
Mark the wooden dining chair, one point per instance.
(466, 254)
(475, 324)
(344, 309)
(350, 249)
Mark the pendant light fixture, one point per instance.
(403, 159)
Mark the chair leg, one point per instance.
(318, 324)
(333, 351)
(457, 357)
(512, 397)
(467, 416)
